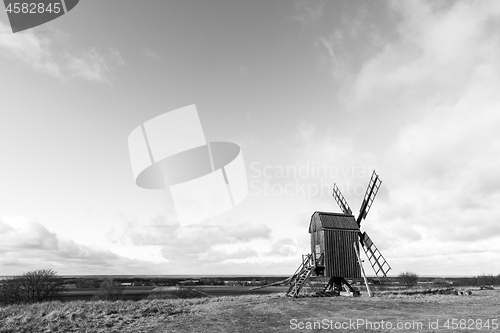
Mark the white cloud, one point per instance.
(356, 35)
(44, 54)
(93, 66)
(27, 245)
(335, 57)
(426, 112)
(308, 12)
(150, 54)
(206, 248)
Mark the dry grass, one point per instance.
(176, 293)
(275, 314)
(251, 313)
(96, 316)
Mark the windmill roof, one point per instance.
(324, 220)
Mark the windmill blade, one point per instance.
(370, 194)
(339, 198)
(377, 260)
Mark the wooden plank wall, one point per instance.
(340, 257)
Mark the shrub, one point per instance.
(109, 290)
(87, 283)
(488, 279)
(35, 286)
(408, 279)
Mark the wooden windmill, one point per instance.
(335, 239)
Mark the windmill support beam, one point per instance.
(362, 270)
(284, 281)
(335, 286)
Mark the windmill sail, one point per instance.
(370, 194)
(377, 260)
(339, 198)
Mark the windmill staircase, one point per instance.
(302, 274)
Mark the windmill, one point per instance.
(335, 239)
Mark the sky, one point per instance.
(314, 93)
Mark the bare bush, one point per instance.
(35, 286)
(408, 279)
(487, 279)
(109, 290)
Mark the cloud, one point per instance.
(308, 12)
(423, 109)
(150, 54)
(444, 74)
(357, 34)
(201, 246)
(335, 56)
(92, 65)
(197, 239)
(28, 245)
(45, 54)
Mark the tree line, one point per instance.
(45, 285)
(410, 279)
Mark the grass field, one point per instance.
(263, 313)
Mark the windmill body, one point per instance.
(335, 239)
(333, 235)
